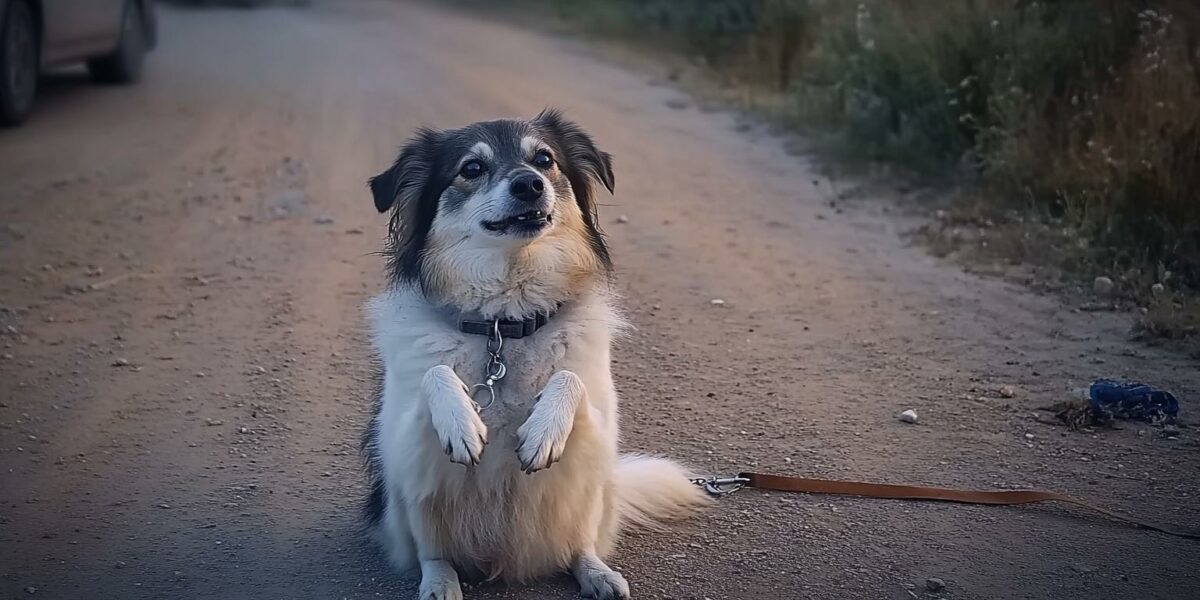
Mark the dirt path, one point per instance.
(184, 423)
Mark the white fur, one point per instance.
(480, 150)
(557, 403)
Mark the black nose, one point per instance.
(526, 187)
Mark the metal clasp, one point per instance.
(721, 486)
(495, 370)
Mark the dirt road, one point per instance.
(183, 371)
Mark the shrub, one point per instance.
(1085, 112)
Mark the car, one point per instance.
(111, 36)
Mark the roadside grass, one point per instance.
(1067, 132)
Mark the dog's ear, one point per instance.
(581, 151)
(401, 185)
(584, 165)
(383, 187)
(409, 190)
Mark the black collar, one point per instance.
(509, 328)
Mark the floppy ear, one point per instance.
(383, 187)
(580, 149)
(584, 165)
(408, 189)
(402, 183)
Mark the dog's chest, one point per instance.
(528, 364)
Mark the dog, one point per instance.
(492, 451)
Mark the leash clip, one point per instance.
(495, 371)
(721, 486)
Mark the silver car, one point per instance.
(111, 36)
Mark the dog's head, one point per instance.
(495, 200)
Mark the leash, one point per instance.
(497, 330)
(723, 486)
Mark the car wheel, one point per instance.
(124, 65)
(18, 63)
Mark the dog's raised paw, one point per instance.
(464, 442)
(540, 443)
(542, 438)
(461, 432)
(604, 585)
(455, 417)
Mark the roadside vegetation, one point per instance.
(1067, 132)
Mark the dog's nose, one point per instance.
(526, 187)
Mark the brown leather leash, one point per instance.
(720, 486)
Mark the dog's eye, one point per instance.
(471, 169)
(542, 159)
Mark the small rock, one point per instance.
(935, 584)
(243, 430)
(121, 362)
(30, 590)
(120, 564)
(908, 416)
(1157, 290)
(1007, 391)
(1029, 436)
(717, 302)
(213, 422)
(622, 219)
(1103, 286)
(354, 231)
(164, 505)
(323, 220)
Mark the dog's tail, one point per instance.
(652, 490)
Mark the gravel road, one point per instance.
(183, 365)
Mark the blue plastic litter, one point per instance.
(1130, 400)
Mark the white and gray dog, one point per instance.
(494, 336)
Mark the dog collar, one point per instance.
(509, 328)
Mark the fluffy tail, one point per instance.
(653, 490)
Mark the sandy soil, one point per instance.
(183, 371)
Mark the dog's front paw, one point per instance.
(542, 439)
(604, 585)
(538, 445)
(463, 437)
(460, 430)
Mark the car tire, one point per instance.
(124, 65)
(18, 63)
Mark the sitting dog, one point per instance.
(493, 447)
